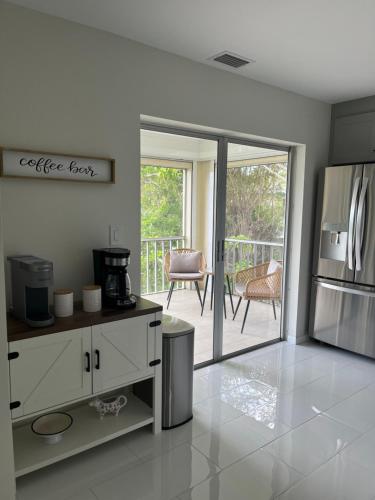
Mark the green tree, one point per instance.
(256, 197)
(161, 201)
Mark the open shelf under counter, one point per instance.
(87, 431)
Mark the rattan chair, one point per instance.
(257, 283)
(195, 277)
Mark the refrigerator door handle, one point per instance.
(345, 289)
(360, 225)
(353, 205)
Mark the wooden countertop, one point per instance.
(18, 330)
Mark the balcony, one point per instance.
(180, 196)
(260, 326)
(239, 254)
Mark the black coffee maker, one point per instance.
(110, 269)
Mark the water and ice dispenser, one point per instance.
(333, 241)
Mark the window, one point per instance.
(164, 221)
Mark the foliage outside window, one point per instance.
(162, 201)
(255, 210)
(162, 208)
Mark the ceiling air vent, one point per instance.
(231, 60)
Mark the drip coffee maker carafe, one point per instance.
(110, 267)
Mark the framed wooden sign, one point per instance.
(54, 166)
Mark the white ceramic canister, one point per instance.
(92, 298)
(63, 302)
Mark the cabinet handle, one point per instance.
(155, 362)
(88, 359)
(97, 354)
(155, 323)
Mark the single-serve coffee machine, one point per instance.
(31, 278)
(110, 269)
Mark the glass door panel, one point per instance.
(178, 191)
(256, 189)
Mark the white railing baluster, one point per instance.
(155, 266)
(147, 268)
(162, 272)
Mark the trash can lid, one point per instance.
(174, 327)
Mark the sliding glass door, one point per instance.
(178, 193)
(227, 200)
(255, 210)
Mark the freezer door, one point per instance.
(337, 230)
(344, 316)
(365, 229)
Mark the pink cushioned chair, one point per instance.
(187, 265)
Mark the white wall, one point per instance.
(68, 88)
(7, 481)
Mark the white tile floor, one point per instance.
(260, 325)
(286, 422)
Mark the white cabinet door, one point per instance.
(50, 370)
(122, 351)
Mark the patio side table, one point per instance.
(228, 277)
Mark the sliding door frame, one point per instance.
(219, 228)
(220, 210)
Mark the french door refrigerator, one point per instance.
(343, 290)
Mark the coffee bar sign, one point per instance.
(52, 166)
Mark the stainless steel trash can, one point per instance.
(178, 366)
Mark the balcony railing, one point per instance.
(153, 279)
(239, 254)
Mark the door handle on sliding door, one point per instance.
(351, 223)
(359, 227)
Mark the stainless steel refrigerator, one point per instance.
(343, 289)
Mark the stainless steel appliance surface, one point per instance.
(343, 288)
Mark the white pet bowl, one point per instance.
(52, 426)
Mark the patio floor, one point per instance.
(260, 324)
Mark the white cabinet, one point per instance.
(353, 138)
(49, 370)
(122, 352)
(54, 370)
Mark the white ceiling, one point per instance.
(319, 48)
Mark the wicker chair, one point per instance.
(257, 283)
(195, 277)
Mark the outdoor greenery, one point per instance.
(256, 202)
(162, 205)
(161, 201)
(255, 210)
